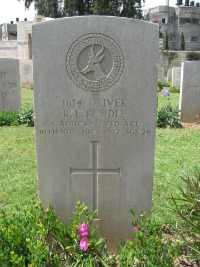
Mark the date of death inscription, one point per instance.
(95, 118)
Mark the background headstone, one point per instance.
(169, 75)
(176, 75)
(95, 90)
(26, 70)
(161, 73)
(190, 91)
(10, 95)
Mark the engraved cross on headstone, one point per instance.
(4, 87)
(95, 171)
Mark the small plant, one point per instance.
(147, 247)
(186, 205)
(36, 237)
(9, 118)
(168, 117)
(84, 248)
(170, 55)
(17, 232)
(26, 116)
(192, 56)
(163, 84)
(31, 85)
(174, 89)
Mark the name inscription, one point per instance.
(95, 117)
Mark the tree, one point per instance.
(61, 8)
(49, 8)
(102, 7)
(77, 7)
(182, 42)
(131, 9)
(27, 3)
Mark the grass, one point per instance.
(18, 179)
(176, 149)
(173, 99)
(18, 175)
(27, 96)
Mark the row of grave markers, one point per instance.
(187, 76)
(10, 96)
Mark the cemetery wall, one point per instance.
(8, 49)
(24, 40)
(176, 58)
(22, 50)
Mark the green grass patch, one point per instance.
(176, 150)
(18, 178)
(27, 97)
(163, 101)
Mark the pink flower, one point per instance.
(83, 244)
(83, 230)
(135, 228)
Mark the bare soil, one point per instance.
(194, 125)
(183, 260)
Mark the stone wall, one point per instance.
(8, 49)
(170, 59)
(23, 50)
(24, 39)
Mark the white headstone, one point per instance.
(26, 70)
(190, 91)
(161, 73)
(10, 95)
(176, 75)
(95, 87)
(169, 75)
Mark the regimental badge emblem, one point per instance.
(95, 62)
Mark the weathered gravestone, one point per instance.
(169, 75)
(95, 89)
(161, 73)
(176, 75)
(190, 91)
(26, 70)
(10, 96)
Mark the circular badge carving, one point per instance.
(94, 62)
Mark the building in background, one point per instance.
(173, 21)
(16, 42)
(8, 31)
(16, 38)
